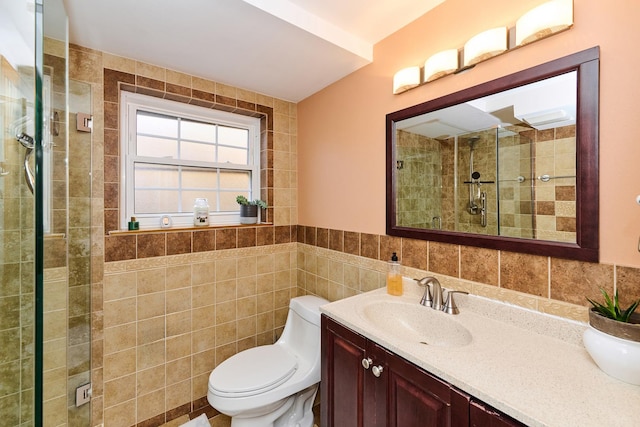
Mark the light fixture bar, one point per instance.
(544, 20)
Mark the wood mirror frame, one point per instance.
(586, 248)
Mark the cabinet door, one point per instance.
(342, 385)
(483, 415)
(417, 398)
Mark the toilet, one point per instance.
(274, 385)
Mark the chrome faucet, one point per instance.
(433, 296)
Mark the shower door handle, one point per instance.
(29, 143)
(483, 208)
(28, 175)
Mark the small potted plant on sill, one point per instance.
(613, 338)
(249, 209)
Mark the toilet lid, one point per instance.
(253, 371)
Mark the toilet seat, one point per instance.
(253, 371)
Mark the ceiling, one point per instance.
(288, 49)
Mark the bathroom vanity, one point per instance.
(388, 361)
(363, 384)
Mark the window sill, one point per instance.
(179, 229)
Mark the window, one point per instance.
(174, 153)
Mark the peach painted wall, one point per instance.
(341, 133)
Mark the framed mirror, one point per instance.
(511, 164)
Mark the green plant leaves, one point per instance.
(611, 308)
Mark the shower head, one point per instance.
(472, 141)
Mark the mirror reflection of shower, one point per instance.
(474, 180)
(477, 204)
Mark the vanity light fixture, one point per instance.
(544, 20)
(485, 45)
(440, 64)
(406, 79)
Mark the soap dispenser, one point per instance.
(394, 278)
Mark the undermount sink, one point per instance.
(415, 323)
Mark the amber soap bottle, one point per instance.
(394, 278)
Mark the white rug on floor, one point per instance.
(201, 421)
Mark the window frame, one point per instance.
(130, 103)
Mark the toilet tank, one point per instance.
(302, 329)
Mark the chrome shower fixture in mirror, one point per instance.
(510, 164)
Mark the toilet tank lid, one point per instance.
(308, 307)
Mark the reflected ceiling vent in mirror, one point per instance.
(544, 20)
(485, 45)
(440, 64)
(406, 79)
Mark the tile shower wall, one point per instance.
(419, 176)
(515, 160)
(16, 257)
(55, 351)
(555, 210)
(484, 161)
(67, 246)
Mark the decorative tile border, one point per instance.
(154, 244)
(550, 285)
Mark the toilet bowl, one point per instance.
(274, 385)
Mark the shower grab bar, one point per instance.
(547, 178)
(479, 182)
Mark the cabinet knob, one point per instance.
(377, 370)
(366, 362)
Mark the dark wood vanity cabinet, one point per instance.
(365, 385)
(389, 392)
(483, 415)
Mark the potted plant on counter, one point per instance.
(613, 338)
(249, 209)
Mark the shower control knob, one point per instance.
(366, 363)
(377, 371)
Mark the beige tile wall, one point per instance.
(160, 324)
(55, 347)
(335, 275)
(168, 321)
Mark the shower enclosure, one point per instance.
(495, 182)
(481, 182)
(45, 218)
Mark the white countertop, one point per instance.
(529, 365)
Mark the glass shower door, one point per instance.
(44, 224)
(18, 120)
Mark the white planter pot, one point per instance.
(617, 357)
(248, 220)
(248, 214)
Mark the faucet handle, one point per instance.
(426, 298)
(450, 306)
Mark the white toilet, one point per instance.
(274, 385)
